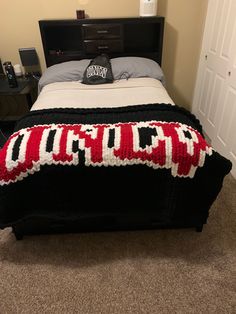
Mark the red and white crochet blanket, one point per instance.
(169, 145)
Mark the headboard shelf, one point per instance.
(65, 40)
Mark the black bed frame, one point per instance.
(65, 40)
(42, 226)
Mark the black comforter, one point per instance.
(74, 163)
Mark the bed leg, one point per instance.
(18, 235)
(199, 228)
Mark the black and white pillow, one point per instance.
(98, 71)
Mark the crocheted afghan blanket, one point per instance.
(159, 136)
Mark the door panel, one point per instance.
(206, 90)
(215, 93)
(217, 89)
(228, 114)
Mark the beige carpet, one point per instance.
(162, 271)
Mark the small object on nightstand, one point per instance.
(36, 75)
(18, 70)
(11, 76)
(80, 14)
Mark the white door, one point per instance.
(215, 93)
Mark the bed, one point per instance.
(107, 157)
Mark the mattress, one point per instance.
(123, 92)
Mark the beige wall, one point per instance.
(184, 24)
(183, 35)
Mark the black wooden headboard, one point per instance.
(65, 40)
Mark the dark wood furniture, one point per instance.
(18, 100)
(65, 40)
(26, 88)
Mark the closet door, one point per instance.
(215, 93)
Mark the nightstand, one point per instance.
(18, 100)
(26, 88)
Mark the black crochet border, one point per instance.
(133, 113)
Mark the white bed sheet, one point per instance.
(124, 92)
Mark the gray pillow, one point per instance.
(63, 72)
(122, 67)
(136, 67)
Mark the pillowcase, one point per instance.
(123, 67)
(63, 72)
